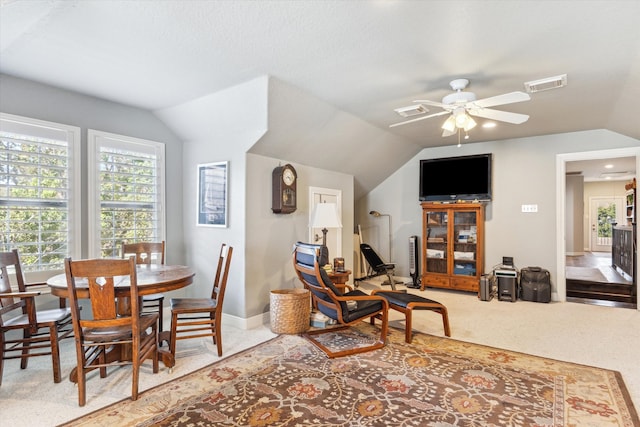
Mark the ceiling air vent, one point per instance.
(412, 110)
(613, 174)
(546, 84)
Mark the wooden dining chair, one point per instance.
(41, 330)
(148, 253)
(106, 337)
(201, 317)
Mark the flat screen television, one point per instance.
(456, 178)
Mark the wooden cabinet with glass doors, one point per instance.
(452, 245)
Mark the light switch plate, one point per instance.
(529, 208)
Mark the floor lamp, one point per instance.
(378, 215)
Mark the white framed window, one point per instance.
(39, 191)
(126, 192)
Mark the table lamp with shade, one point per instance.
(325, 216)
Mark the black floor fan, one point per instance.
(414, 270)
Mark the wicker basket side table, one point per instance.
(290, 311)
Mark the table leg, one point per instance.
(165, 355)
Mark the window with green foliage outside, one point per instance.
(128, 192)
(38, 203)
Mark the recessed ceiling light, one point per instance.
(608, 166)
(488, 125)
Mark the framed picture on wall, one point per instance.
(213, 194)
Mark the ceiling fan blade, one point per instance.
(507, 98)
(418, 119)
(503, 116)
(434, 104)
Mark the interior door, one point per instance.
(334, 235)
(603, 213)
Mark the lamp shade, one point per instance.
(325, 215)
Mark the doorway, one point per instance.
(562, 169)
(334, 236)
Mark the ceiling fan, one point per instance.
(462, 105)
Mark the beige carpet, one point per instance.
(433, 381)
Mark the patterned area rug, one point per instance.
(432, 382)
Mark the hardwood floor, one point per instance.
(591, 279)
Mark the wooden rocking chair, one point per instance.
(346, 309)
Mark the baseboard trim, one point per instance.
(242, 323)
(227, 319)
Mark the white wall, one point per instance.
(524, 172)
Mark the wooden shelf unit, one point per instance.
(630, 208)
(452, 245)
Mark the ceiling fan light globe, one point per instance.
(470, 124)
(449, 124)
(461, 120)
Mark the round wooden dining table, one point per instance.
(151, 278)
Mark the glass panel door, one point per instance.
(436, 256)
(604, 211)
(465, 232)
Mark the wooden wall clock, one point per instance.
(283, 189)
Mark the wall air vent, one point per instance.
(412, 110)
(546, 84)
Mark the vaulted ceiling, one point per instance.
(364, 59)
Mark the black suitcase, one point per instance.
(535, 284)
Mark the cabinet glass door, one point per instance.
(465, 239)
(436, 256)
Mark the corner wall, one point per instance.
(270, 237)
(31, 99)
(220, 127)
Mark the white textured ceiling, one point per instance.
(363, 57)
